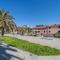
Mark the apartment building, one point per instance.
(49, 30)
(39, 29)
(54, 29)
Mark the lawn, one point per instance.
(30, 47)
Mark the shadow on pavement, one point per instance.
(5, 56)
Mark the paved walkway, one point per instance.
(9, 53)
(46, 41)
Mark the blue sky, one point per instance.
(32, 12)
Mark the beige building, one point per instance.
(23, 30)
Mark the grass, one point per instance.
(30, 47)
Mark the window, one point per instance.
(49, 31)
(44, 31)
(58, 26)
(49, 27)
(38, 31)
(58, 31)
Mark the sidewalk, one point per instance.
(9, 53)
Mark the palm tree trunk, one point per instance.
(2, 32)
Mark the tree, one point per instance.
(6, 22)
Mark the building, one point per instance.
(23, 30)
(54, 29)
(49, 30)
(39, 30)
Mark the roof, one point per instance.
(40, 27)
(54, 25)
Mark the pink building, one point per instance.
(47, 30)
(53, 29)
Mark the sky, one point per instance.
(33, 12)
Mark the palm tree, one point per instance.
(6, 22)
